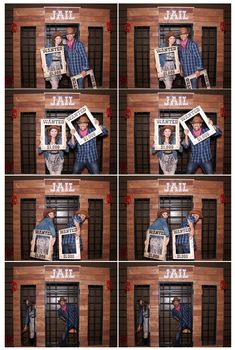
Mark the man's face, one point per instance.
(176, 303)
(83, 126)
(62, 303)
(165, 215)
(197, 126)
(183, 37)
(51, 215)
(70, 36)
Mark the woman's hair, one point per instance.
(163, 137)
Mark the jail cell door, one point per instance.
(65, 82)
(184, 156)
(179, 207)
(28, 315)
(168, 327)
(65, 207)
(140, 292)
(163, 30)
(55, 327)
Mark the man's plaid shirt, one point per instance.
(88, 151)
(184, 239)
(190, 58)
(184, 316)
(201, 152)
(76, 58)
(70, 239)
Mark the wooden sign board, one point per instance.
(162, 72)
(73, 118)
(186, 255)
(185, 121)
(47, 71)
(45, 124)
(63, 236)
(155, 245)
(41, 245)
(159, 145)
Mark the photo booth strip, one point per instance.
(74, 79)
(197, 110)
(158, 123)
(188, 79)
(46, 70)
(57, 122)
(158, 248)
(44, 250)
(164, 50)
(184, 256)
(76, 115)
(69, 256)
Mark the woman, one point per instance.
(167, 158)
(167, 60)
(143, 320)
(53, 60)
(54, 159)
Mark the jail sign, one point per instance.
(62, 14)
(175, 273)
(177, 186)
(62, 101)
(167, 14)
(62, 274)
(62, 187)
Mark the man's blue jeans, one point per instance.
(93, 167)
(80, 83)
(182, 248)
(194, 83)
(69, 248)
(206, 167)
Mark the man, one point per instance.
(75, 55)
(189, 56)
(69, 242)
(68, 313)
(161, 224)
(183, 314)
(201, 152)
(29, 321)
(86, 154)
(143, 320)
(182, 241)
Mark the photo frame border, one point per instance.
(77, 114)
(35, 255)
(188, 79)
(49, 50)
(184, 256)
(57, 122)
(157, 123)
(197, 110)
(77, 255)
(75, 78)
(155, 233)
(163, 50)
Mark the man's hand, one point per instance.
(210, 121)
(72, 132)
(83, 73)
(197, 73)
(186, 132)
(96, 121)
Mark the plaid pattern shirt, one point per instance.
(70, 316)
(184, 239)
(201, 152)
(88, 151)
(76, 58)
(70, 239)
(184, 316)
(46, 224)
(190, 58)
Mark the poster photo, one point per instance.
(89, 73)
(46, 130)
(164, 51)
(203, 74)
(41, 245)
(159, 126)
(58, 51)
(68, 251)
(155, 245)
(187, 255)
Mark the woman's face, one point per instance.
(53, 133)
(167, 133)
(58, 40)
(171, 40)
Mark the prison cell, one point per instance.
(141, 137)
(209, 314)
(140, 292)
(28, 142)
(95, 228)
(141, 223)
(209, 228)
(95, 53)
(27, 225)
(27, 292)
(66, 207)
(55, 327)
(95, 315)
(141, 53)
(167, 325)
(65, 82)
(28, 57)
(179, 207)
